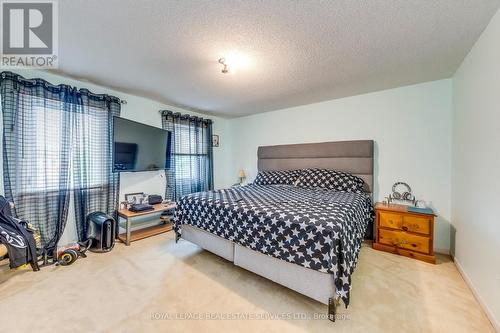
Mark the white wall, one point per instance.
(411, 127)
(145, 111)
(476, 166)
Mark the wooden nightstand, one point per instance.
(405, 233)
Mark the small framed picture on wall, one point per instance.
(215, 141)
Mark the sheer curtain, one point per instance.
(96, 187)
(36, 152)
(191, 164)
(57, 141)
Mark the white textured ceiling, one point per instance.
(300, 52)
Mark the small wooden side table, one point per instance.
(131, 236)
(406, 233)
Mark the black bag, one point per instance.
(154, 199)
(19, 241)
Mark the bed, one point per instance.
(307, 239)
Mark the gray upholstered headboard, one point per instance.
(355, 157)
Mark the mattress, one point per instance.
(315, 228)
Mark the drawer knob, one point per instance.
(405, 228)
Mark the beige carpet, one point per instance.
(155, 284)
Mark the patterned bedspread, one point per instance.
(315, 228)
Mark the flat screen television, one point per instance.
(139, 147)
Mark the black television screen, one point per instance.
(139, 147)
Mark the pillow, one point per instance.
(277, 177)
(331, 179)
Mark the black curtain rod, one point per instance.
(33, 82)
(185, 116)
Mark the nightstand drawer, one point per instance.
(391, 220)
(405, 232)
(403, 240)
(417, 224)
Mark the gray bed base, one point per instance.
(314, 284)
(355, 157)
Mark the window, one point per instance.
(37, 136)
(191, 156)
(91, 150)
(191, 165)
(41, 134)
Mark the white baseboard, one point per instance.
(489, 314)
